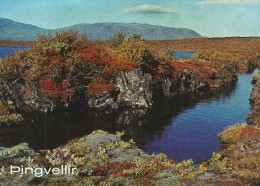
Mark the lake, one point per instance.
(183, 55)
(182, 127)
(8, 50)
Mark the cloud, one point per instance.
(208, 2)
(149, 9)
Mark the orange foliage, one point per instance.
(229, 51)
(248, 131)
(95, 89)
(3, 110)
(63, 65)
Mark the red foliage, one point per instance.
(48, 88)
(63, 91)
(97, 89)
(61, 65)
(248, 131)
(101, 58)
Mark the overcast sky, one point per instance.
(210, 18)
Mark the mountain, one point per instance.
(150, 32)
(11, 30)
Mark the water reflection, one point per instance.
(183, 127)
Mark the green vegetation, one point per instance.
(7, 114)
(102, 158)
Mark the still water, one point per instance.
(182, 127)
(8, 50)
(183, 55)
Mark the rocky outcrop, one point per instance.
(188, 83)
(24, 95)
(241, 142)
(104, 159)
(22, 149)
(240, 147)
(183, 84)
(134, 90)
(30, 97)
(254, 116)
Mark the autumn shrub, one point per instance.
(6, 115)
(68, 67)
(64, 66)
(239, 132)
(132, 49)
(3, 110)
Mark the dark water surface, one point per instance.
(182, 127)
(8, 50)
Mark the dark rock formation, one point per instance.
(188, 83)
(254, 116)
(30, 97)
(24, 94)
(134, 90)
(184, 84)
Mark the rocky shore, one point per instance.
(254, 116)
(104, 159)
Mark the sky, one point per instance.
(210, 18)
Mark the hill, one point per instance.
(103, 31)
(12, 30)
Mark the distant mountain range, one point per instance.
(12, 30)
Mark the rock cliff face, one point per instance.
(183, 84)
(254, 116)
(134, 90)
(188, 83)
(24, 94)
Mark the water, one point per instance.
(193, 133)
(183, 127)
(183, 55)
(8, 50)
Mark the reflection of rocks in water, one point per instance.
(128, 117)
(144, 128)
(49, 130)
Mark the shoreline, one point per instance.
(100, 151)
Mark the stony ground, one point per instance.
(104, 159)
